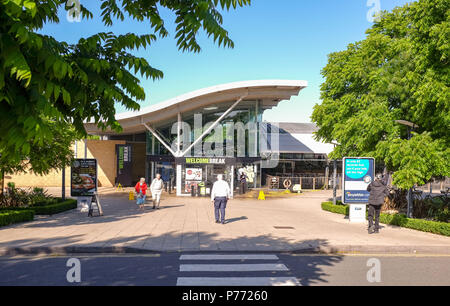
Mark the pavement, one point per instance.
(292, 223)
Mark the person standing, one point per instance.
(156, 188)
(220, 194)
(243, 181)
(378, 191)
(141, 191)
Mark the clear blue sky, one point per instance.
(274, 39)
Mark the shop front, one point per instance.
(196, 175)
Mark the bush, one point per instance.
(339, 208)
(55, 208)
(441, 228)
(20, 197)
(49, 209)
(435, 227)
(14, 216)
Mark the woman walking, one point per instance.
(141, 190)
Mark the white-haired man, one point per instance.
(156, 189)
(220, 194)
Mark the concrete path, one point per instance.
(293, 223)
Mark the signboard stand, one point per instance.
(358, 173)
(95, 205)
(357, 213)
(83, 184)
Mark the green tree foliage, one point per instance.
(399, 72)
(48, 86)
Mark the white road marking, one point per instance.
(229, 257)
(237, 281)
(232, 267)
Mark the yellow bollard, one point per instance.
(261, 196)
(131, 196)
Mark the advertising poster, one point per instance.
(358, 173)
(83, 177)
(193, 174)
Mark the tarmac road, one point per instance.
(227, 269)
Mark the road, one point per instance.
(242, 269)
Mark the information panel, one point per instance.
(358, 173)
(83, 177)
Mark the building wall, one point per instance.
(103, 150)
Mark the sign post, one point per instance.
(358, 173)
(83, 180)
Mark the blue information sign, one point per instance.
(358, 173)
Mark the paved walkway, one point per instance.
(293, 223)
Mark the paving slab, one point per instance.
(294, 223)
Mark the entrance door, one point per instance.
(201, 178)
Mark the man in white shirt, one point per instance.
(220, 194)
(156, 189)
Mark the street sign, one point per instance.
(358, 173)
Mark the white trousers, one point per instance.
(156, 197)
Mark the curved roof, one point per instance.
(220, 97)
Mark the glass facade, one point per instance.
(236, 136)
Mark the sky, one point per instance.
(274, 39)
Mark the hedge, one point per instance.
(47, 209)
(435, 227)
(55, 208)
(15, 216)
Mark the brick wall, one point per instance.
(103, 150)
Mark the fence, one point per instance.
(306, 182)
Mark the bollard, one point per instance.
(131, 196)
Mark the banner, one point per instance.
(358, 173)
(83, 177)
(124, 165)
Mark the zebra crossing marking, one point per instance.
(229, 257)
(237, 281)
(198, 280)
(232, 267)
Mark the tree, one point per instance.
(399, 72)
(47, 85)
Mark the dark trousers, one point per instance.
(243, 187)
(220, 203)
(374, 211)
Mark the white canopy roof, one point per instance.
(268, 92)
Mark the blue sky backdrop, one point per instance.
(274, 39)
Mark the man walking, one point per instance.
(156, 189)
(378, 191)
(220, 194)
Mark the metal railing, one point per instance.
(306, 182)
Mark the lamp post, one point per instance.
(334, 174)
(410, 126)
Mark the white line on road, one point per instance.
(233, 267)
(237, 281)
(229, 257)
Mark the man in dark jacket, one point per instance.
(378, 191)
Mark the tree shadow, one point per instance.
(306, 269)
